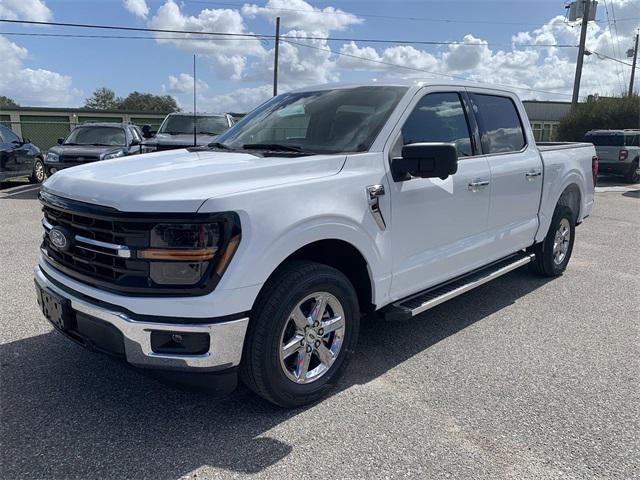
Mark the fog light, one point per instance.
(53, 170)
(179, 343)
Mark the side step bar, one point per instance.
(415, 304)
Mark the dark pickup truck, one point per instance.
(177, 130)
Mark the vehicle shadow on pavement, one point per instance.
(68, 413)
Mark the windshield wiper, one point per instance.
(219, 145)
(274, 146)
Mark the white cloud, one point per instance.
(300, 15)
(138, 7)
(27, 86)
(464, 56)
(241, 100)
(183, 83)
(32, 10)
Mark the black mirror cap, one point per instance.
(146, 131)
(60, 140)
(425, 160)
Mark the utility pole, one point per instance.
(583, 38)
(633, 68)
(275, 58)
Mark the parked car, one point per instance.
(19, 158)
(177, 130)
(618, 151)
(257, 255)
(90, 142)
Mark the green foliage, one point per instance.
(6, 102)
(149, 103)
(604, 113)
(105, 99)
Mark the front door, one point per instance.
(438, 226)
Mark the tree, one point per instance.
(6, 102)
(604, 113)
(103, 99)
(149, 102)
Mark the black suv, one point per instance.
(90, 142)
(19, 158)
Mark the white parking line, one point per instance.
(18, 192)
(615, 189)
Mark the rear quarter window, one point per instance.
(500, 126)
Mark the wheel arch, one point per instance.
(344, 257)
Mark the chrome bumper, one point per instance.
(225, 347)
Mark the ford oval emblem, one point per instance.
(59, 238)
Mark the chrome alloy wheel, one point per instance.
(561, 241)
(312, 337)
(39, 171)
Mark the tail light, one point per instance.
(623, 155)
(595, 163)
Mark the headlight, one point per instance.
(52, 157)
(117, 154)
(180, 254)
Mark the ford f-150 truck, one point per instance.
(256, 256)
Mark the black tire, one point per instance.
(633, 176)
(261, 369)
(545, 263)
(38, 174)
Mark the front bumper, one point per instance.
(53, 167)
(226, 338)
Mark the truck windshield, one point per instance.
(325, 121)
(183, 124)
(606, 140)
(96, 136)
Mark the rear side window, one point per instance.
(439, 117)
(8, 135)
(605, 140)
(500, 126)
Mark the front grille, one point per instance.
(78, 159)
(105, 240)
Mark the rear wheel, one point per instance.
(302, 333)
(38, 174)
(554, 252)
(633, 175)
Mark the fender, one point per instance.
(262, 259)
(552, 192)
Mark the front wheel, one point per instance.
(302, 333)
(554, 252)
(38, 174)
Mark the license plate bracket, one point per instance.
(55, 308)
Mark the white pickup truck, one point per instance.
(255, 257)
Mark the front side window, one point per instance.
(8, 135)
(439, 117)
(500, 126)
(183, 124)
(101, 136)
(325, 121)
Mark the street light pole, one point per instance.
(583, 38)
(633, 68)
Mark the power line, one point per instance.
(405, 67)
(110, 37)
(271, 36)
(598, 54)
(615, 27)
(613, 45)
(389, 17)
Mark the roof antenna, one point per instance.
(195, 117)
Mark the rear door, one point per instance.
(10, 165)
(438, 226)
(516, 170)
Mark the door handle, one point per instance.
(375, 192)
(478, 184)
(532, 174)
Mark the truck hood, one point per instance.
(180, 181)
(85, 152)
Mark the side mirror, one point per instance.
(26, 140)
(146, 131)
(425, 160)
(60, 140)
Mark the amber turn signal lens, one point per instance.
(184, 255)
(228, 253)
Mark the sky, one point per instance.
(235, 74)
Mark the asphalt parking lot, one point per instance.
(524, 377)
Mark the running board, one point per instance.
(411, 306)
